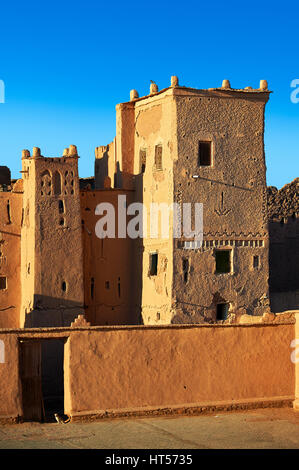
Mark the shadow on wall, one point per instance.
(283, 264)
(127, 181)
(5, 177)
(101, 170)
(52, 312)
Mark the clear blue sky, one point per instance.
(67, 64)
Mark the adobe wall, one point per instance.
(128, 369)
(164, 367)
(155, 119)
(233, 193)
(283, 208)
(52, 289)
(5, 176)
(10, 258)
(108, 265)
(10, 389)
(105, 164)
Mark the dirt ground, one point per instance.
(256, 429)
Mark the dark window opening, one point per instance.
(118, 287)
(57, 183)
(158, 157)
(107, 285)
(204, 154)
(153, 264)
(256, 261)
(222, 311)
(8, 212)
(142, 157)
(63, 286)
(61, 207)
(223, 261)
(3, 283)
(185, 269)
(158, 316)
(61, 222)
(92, 288)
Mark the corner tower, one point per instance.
(221, 164)
(51, 240)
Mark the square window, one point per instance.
(222, 311)
(205, 153)
(3, 283)
(158, 157)
(223, 261)
(256, 261)
(153, 265)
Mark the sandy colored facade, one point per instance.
(52, 289)
(10, 258)
(119, 326)
(172, 125)
(178, 145)
(107, 264)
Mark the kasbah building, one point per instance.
(76, 309)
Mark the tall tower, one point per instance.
(187, 145)
(221, 164)
(51, 240)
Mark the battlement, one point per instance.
(175, 87)
(70, 152)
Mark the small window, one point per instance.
(256, 261)
(204, 154)
(118, 287)
(107, 285)
(185, 269)
(222, 311)
(153, 264)
(142, 157)
(61, 207)
(63, 286)
(92, 288)
(158, 157)
(223, 261)
(61, 222)
(3, 283)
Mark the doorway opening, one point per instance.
(42, 378)
(222, 311)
